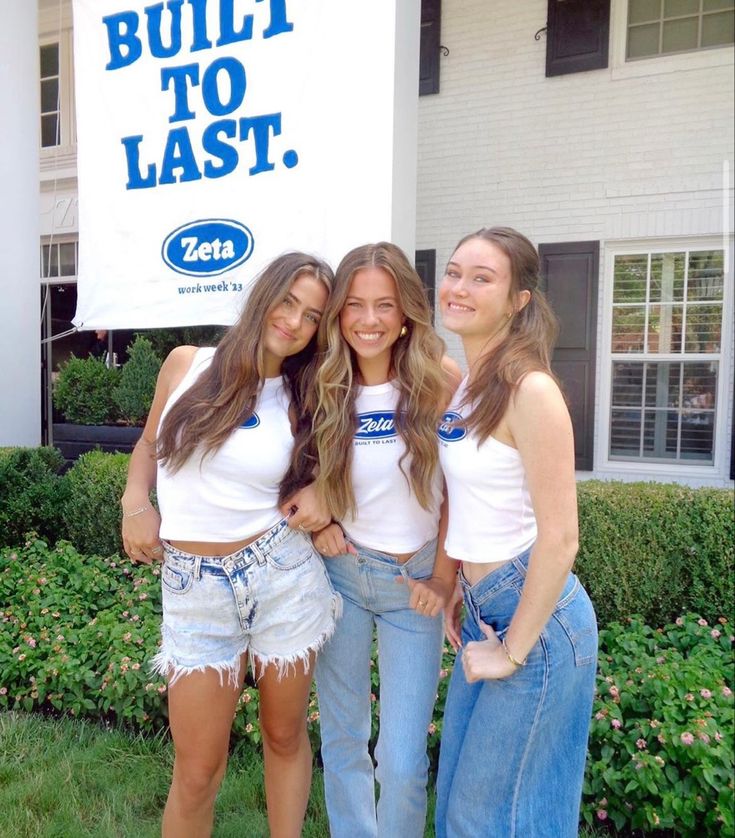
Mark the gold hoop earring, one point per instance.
(403, 332)
(509, 315)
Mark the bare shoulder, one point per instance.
(176, 365)
(538, 407)
(536, 388)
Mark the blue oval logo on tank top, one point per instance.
(251, 422)
(377, 424)
(449, 430)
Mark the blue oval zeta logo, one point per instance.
(251, 422)
(450, 429)
(207, 247)
(376, 425)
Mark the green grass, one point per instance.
(72, 779)
(61, 778)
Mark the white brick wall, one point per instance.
(602, 155)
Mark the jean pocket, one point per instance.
(577, 619)
(175, 579)
(296, 549)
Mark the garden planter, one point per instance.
(74, 440)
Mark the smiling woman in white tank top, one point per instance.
(517, 713)
(379, 395)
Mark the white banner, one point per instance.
(215, 134)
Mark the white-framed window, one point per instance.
(59, 260)
(665, 355)
(663, 27)
(56, 81)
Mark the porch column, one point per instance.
(20, 329)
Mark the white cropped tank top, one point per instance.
(233, 493)
(389, 517)
(491, 518)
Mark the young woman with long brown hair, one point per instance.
(237, 577)
(378, 398)
(517, 712)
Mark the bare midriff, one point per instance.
(214, 548)
(473, 572)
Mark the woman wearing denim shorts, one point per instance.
(517, 714)
(376, 406)
(237, 577)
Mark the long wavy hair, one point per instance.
(527, 344)
(416, 368)
(224, 395)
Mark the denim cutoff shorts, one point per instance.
(272, 599)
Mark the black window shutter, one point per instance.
(429, 50)
(577, 36)
(569, 278)
(426, 269)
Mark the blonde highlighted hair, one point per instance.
(415, 367)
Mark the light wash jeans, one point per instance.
(513, 750)
(409, 658)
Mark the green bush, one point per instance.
(164, 340)
(657, 550)
(92, 511)
(134, 394)
(32, 493)
(83, 391)
(661, 742)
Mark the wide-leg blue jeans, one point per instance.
(513, 750)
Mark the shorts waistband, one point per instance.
(255, 551)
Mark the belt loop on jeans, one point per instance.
(198, 568)
(257, 551)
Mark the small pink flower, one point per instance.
(703, 736)
(601, 814)
(248, 728)
(655, 723)
(135, 666)
(702, 621)
(443, 673)
(689, 697)
(432, 728)
(727, 692)
(722, 620)
(21, 657)
(599, 716)
(705, 693)
(142, 596)
(641, 744)
(162, 689)
(616, 723)
(718, 736)
(716, 633)
(247, 698)
(687, 738)
(679, 621)
(127, 636)
(3, 690)
(614, 691)
(31, 642)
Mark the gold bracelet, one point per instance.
(135, 512)
(510, 656)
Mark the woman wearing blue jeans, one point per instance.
(517, 713)
(377, 402)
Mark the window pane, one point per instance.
(50, 130)
(663, 385)
(628, 324)
(667, 277)
(718, 29)
(676, 8)
(660, 433)
(698, 437)
(664, 329)
(643, 40)
(625, 433)
(629, 282)
(44, 259)
(627, 384)
(714, 5)
(680, 35)
(68, 259)
(49, 95)
(704, 327)
(49, 60)
(700, 386)
(706, 275)
(640, 11)
(53, 266)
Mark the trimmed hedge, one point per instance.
(83, 391)
(32, 493)
(92, 511)
(657, 550)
